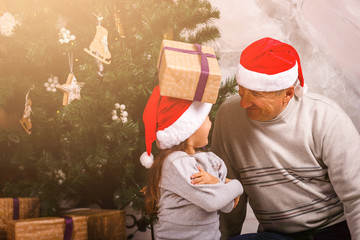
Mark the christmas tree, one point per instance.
(75, 77)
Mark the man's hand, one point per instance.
(203, 177)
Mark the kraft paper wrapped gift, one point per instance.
(103, 223)
(48, 228)
(188, 71)
(17, 208)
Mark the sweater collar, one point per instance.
(287, 111)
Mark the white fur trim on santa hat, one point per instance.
(184, 126)
(146, 160)
(266, 83)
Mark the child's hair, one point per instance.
(155, 173)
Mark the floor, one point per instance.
(250, 225)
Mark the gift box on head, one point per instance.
(17, 208)
(188, 71)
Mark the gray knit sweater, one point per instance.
(188, 211)
(300, 170)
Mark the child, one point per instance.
(186, 187)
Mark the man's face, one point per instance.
(262, 106)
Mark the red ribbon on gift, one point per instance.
(204, 75)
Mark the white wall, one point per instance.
(325, 33)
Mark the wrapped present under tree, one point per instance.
(103, 223)
(50, 228)
(17, 208)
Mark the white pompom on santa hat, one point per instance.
(269, 65)
(170, 121)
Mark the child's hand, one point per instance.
(203, 177)
(236, 201)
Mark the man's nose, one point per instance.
(245, 101)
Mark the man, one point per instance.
(297, 155)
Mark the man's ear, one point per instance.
(289, 94)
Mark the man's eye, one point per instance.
(255, 94)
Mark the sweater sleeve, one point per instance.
(341, 154)
(231, 223)
(211, 197)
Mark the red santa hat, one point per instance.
(170, 121)
(270, 65)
